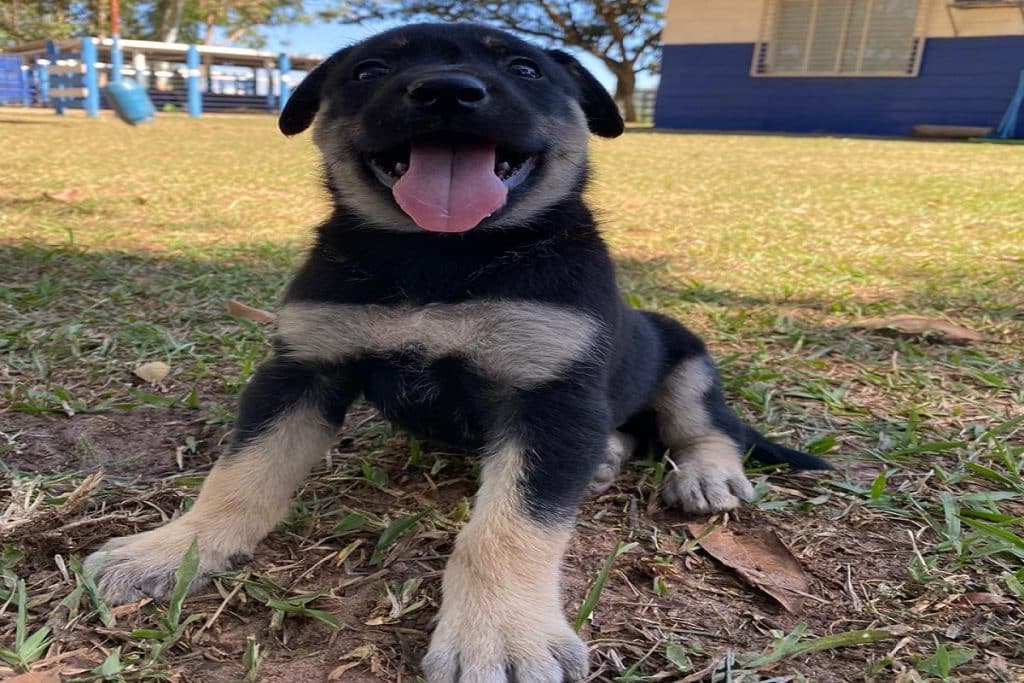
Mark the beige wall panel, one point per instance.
(712, 21)
(980, 21)
(739, 21)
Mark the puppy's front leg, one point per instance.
(501, 619)
(288, 415)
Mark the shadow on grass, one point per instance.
(27, 122)
(995, 296)
(257, 265)
(64, 277)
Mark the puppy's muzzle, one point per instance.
(448, 91)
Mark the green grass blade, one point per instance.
(351, 522)
(997, 532)
(394, 531)
(791, 647)
(85, 579)
(594, 594)
(20, 620)
(184, 575)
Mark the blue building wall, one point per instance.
(963, 81)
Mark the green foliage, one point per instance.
(625, 36)
(192, 21)
(944, 660)
(170, 626)
(27, 648)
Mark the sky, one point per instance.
(326, 38)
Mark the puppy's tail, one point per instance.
(643, 427)
(770, 453)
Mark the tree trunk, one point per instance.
(211, 25)
(625, 86)
(170, 33)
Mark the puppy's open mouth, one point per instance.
(450, 187)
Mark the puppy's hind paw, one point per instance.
(703, 495)
(708, 478)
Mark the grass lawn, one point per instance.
(786, 254)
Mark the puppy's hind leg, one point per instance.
(706, 439)
(288, 417)
(708, 474)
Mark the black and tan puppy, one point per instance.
(461, 286)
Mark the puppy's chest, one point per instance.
(513, 342)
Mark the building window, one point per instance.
(840, 38)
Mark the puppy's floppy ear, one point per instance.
(301, 107)
(603, 116)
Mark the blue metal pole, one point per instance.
(26, 93)
(284, 67)
(51, 56)
(43, 82)
(116, 59)
(195, 98)
(90, 81)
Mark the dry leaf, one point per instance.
(916, 324)
(240, 310)
(359, 655)
(999, 665)
(152, 372)
(36, 677)
(759, 557)
(67, 195)
(998, 603)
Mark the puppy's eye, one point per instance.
(370, 69)
(524, 68)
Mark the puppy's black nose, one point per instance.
(449, 90)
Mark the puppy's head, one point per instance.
(449, 127)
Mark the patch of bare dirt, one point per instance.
(137, 443)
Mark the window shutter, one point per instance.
(840, 38)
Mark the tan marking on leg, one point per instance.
(245, 495)
(708, 476)
(502, 602)
(682, 415)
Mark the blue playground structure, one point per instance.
(14, 82)
(1008, 127)
(71, 74)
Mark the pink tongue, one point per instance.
(450, 189)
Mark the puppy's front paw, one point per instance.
(708, 478)
(134, 567)
(483, 647)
